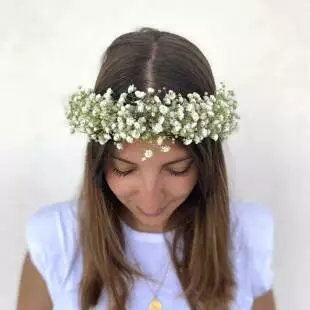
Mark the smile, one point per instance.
(157, 213)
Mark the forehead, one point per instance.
(134, 152)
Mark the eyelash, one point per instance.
(174, 173)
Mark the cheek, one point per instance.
(180, 186)
(121, 187)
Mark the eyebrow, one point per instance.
(166, 164)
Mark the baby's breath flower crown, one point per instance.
(143, 115)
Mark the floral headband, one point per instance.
(143, 115)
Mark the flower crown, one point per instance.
(143, 115)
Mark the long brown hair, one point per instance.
(153, 58)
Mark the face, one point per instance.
(153, 189)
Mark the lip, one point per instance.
(157, 213)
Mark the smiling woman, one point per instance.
(154, 226)
(151, 190)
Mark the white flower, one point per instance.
(154, 108)
(165, 148)
(167, 101)
(195, 116)
(121, 100)
(212, 98)
(156, 99)
(130, 121)
(101, 141)
(141, 120)
(196, 96)
(214, 137)
(203, 116)
(137, 125)
(189, 107)
(85, 109)
(121, 125)
(197, 139)
(148, 153)
(180, 115)
(177, 126)
(131, 88)
(157, 128)
(205, 132)
(116, 137)
(163, 109)
(119, 146)
(160, 140)
(171, 95)
(180, 99)
(161, 119)
(129, 139)
(191, 117)
(122, 135)
(140, 94)
(140, 106)
(107, 94)
(135, 134)
(102, 104)
(187, 141)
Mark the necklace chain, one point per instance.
(155, 293)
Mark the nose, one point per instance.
(151, 195)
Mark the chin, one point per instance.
(154, 221)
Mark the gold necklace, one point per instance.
(155, 303)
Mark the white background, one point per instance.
(259, 48)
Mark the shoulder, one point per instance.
(254, 221)
(46, 215)
(51, 237)
(253, 231)
(51, 221)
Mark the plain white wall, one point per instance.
(260, 48)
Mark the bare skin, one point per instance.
(265, 302)
(33, 293)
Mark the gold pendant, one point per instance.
(155, 304)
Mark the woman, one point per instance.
(154, 227)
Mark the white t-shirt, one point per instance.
(52, 240)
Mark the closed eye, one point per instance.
(180, 172)
(123, 173)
